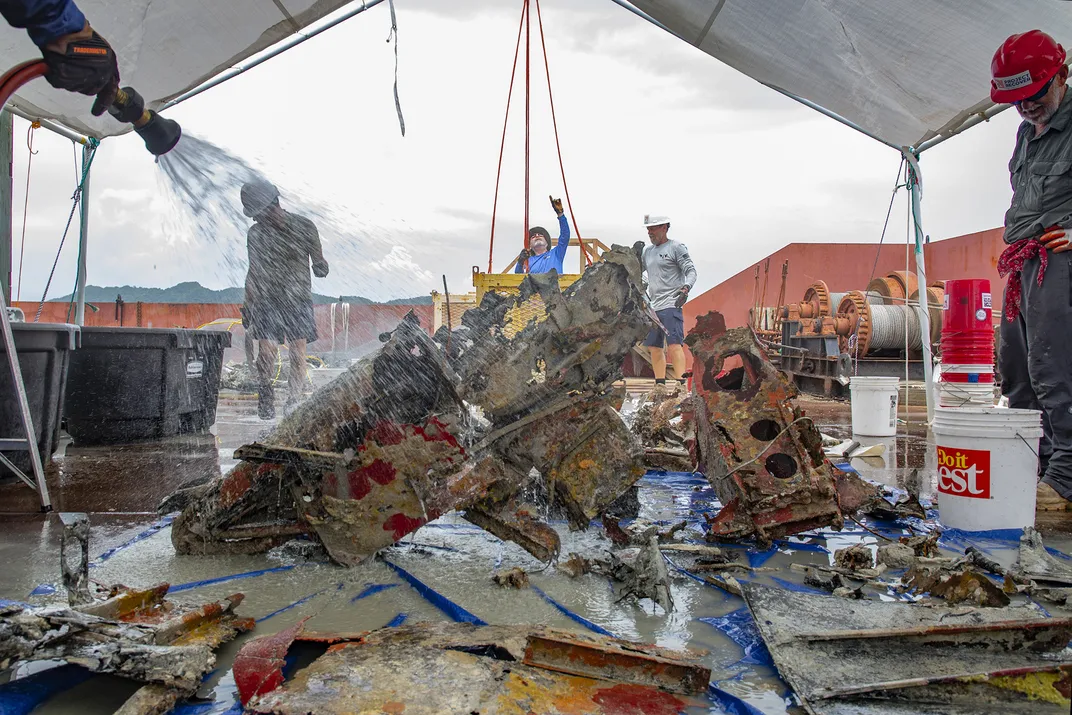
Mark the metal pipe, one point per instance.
(978, 118)
(83, 240)
(292, 41)
(49, 125)
(833, 115)
(914, 179)
(641, 14)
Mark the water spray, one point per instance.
(159, 134)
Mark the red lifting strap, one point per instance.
(524, 25)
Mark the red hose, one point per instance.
(18, 76)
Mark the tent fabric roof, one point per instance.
(165, 48)
(902, 70)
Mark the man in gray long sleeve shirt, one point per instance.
(670, 275)
(1029, 72)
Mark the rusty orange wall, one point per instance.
(844, 267)
(847, 266)
(366, 322)
(972, 256)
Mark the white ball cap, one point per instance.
(655, 220)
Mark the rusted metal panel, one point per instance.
(761, 454)
(613, 661)
(493, 670)
(876, 657)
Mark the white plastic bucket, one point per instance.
(965, 394)
(874, 405)
(987, 466)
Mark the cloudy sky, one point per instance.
(648, 124)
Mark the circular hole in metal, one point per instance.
(781, 465)
(765, 430)
(732, 380)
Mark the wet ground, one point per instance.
(130, 544)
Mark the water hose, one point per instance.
(159, 134)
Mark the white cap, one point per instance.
(655, 220)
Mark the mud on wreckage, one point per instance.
(395, 441)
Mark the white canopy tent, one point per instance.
(166, 49)
(907, 73)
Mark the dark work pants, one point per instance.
(1035, 362)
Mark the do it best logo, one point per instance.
(964, 472)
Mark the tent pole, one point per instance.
(640, 13)
(915, 190)
(6, 163)
(979, 118)
(47, 124)
(83, 241)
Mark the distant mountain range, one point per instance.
(194, 292)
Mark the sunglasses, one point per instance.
(1039, 94)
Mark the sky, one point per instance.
(647, 124)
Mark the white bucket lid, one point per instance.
(864, 381)
(987, 419)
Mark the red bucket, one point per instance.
(981, 377)
(968, 308)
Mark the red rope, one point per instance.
(558, 147)
(502, 146)
(528, 108)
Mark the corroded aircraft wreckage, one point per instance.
(421, 427)
(460, 421)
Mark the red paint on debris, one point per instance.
(436, 431)
(401, 524)
(361, 479)
(235, 484)
(626, 699)
(258, 667)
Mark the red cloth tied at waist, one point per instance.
(1011, 264)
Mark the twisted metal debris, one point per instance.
(393, 442)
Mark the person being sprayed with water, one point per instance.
(540, 257)
(279, 300)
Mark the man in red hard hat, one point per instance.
(1035, 360)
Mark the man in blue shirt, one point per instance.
(540, 259)
(78, 59)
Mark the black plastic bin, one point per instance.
(131, 384)
(44, 351)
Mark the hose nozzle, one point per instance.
(159, 133)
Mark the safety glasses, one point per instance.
(1039, 94)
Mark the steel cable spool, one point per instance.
(888, 327)
(867, 328)
(871, 297)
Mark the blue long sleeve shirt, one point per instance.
(45, 20)
(549, 259)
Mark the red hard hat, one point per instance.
(1023, 65)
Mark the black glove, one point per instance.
(88, 66)
(682, 296)
(524, 255)
(320, 269)
(556, 204)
